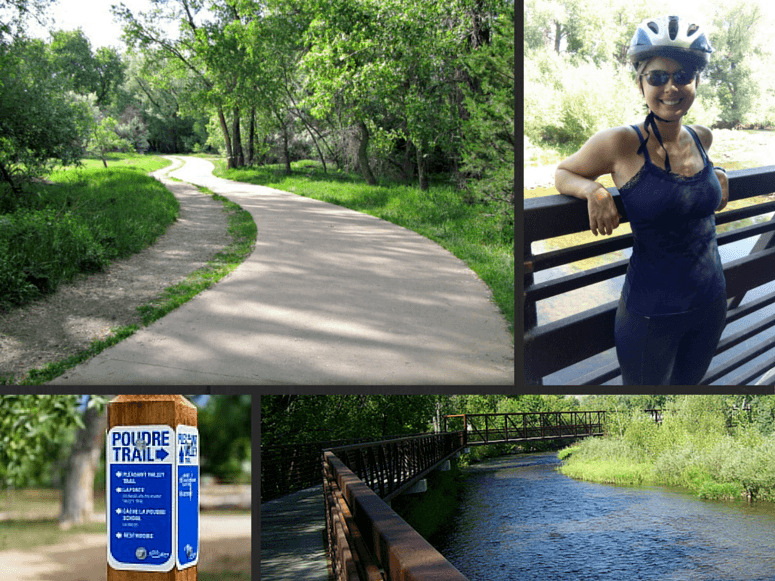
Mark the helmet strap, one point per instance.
(651, 122)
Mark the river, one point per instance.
(520, 520)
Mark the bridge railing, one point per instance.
(553, 346)
(367, 540)
(488, 428)
(286, 468)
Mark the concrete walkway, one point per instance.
(329, 297)
(292, 537)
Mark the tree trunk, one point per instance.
(226, 138)
(557, 36)
(15, 189)
(363, 157)
(78, 493)
(239, 156)
(286, 149)
(252, 137)
(422, 174)
(408, 168)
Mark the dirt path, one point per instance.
(83, 557)
(67, 321)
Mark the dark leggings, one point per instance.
(669, 350)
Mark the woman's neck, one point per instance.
(670, 131)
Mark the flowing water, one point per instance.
(521, 520)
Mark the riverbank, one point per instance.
(708, 462)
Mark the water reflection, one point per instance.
(521, 520)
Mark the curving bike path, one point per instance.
(329, 296)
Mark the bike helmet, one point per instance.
(671, 37)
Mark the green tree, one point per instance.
(31, 427)
(488, 150)
(225, 433)
(736, 42)
(40, 122)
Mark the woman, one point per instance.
(673, 305)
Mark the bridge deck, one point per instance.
(293, 545)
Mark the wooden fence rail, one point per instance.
(553, 346)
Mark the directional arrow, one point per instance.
(161, 454)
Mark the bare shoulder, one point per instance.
(705, 135)
(602, 152)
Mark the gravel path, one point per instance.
(67, 321)
(83, 557)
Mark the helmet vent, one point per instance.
(692, 29)
(672, 28)
(654, 28)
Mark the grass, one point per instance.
(81, 221)
(241, 227)
(472, 232)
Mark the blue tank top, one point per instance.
(675, 265)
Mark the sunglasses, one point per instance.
(659, 78)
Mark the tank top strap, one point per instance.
(642, 142)
(699, 144)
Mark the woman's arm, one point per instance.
(576, 177)
(706, 137)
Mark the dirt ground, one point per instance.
(66, 322)
(224, 540)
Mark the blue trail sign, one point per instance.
(140, 499)
(187, 475)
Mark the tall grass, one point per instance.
(693, 448)
(474, 232)
(87, 217)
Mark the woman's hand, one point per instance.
(722, 178)
(603, 215)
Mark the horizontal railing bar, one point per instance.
(571, 282)
(738, 361)
(419, 476)
(543, 357)
(750, 308)
(610, 371)
(744, 334)
(552, 216)
(555, 258)
(749, 376)
(749, 272)
(598, 376)
(743, 213)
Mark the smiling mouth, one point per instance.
(671, 102)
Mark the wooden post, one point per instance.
(140, 410)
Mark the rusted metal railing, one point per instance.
(367, 540)
(481, 429)
(286, 468)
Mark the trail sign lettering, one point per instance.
(187, 475)
(140, 499)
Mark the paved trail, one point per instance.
(329, 297)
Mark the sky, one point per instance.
(94, 17)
